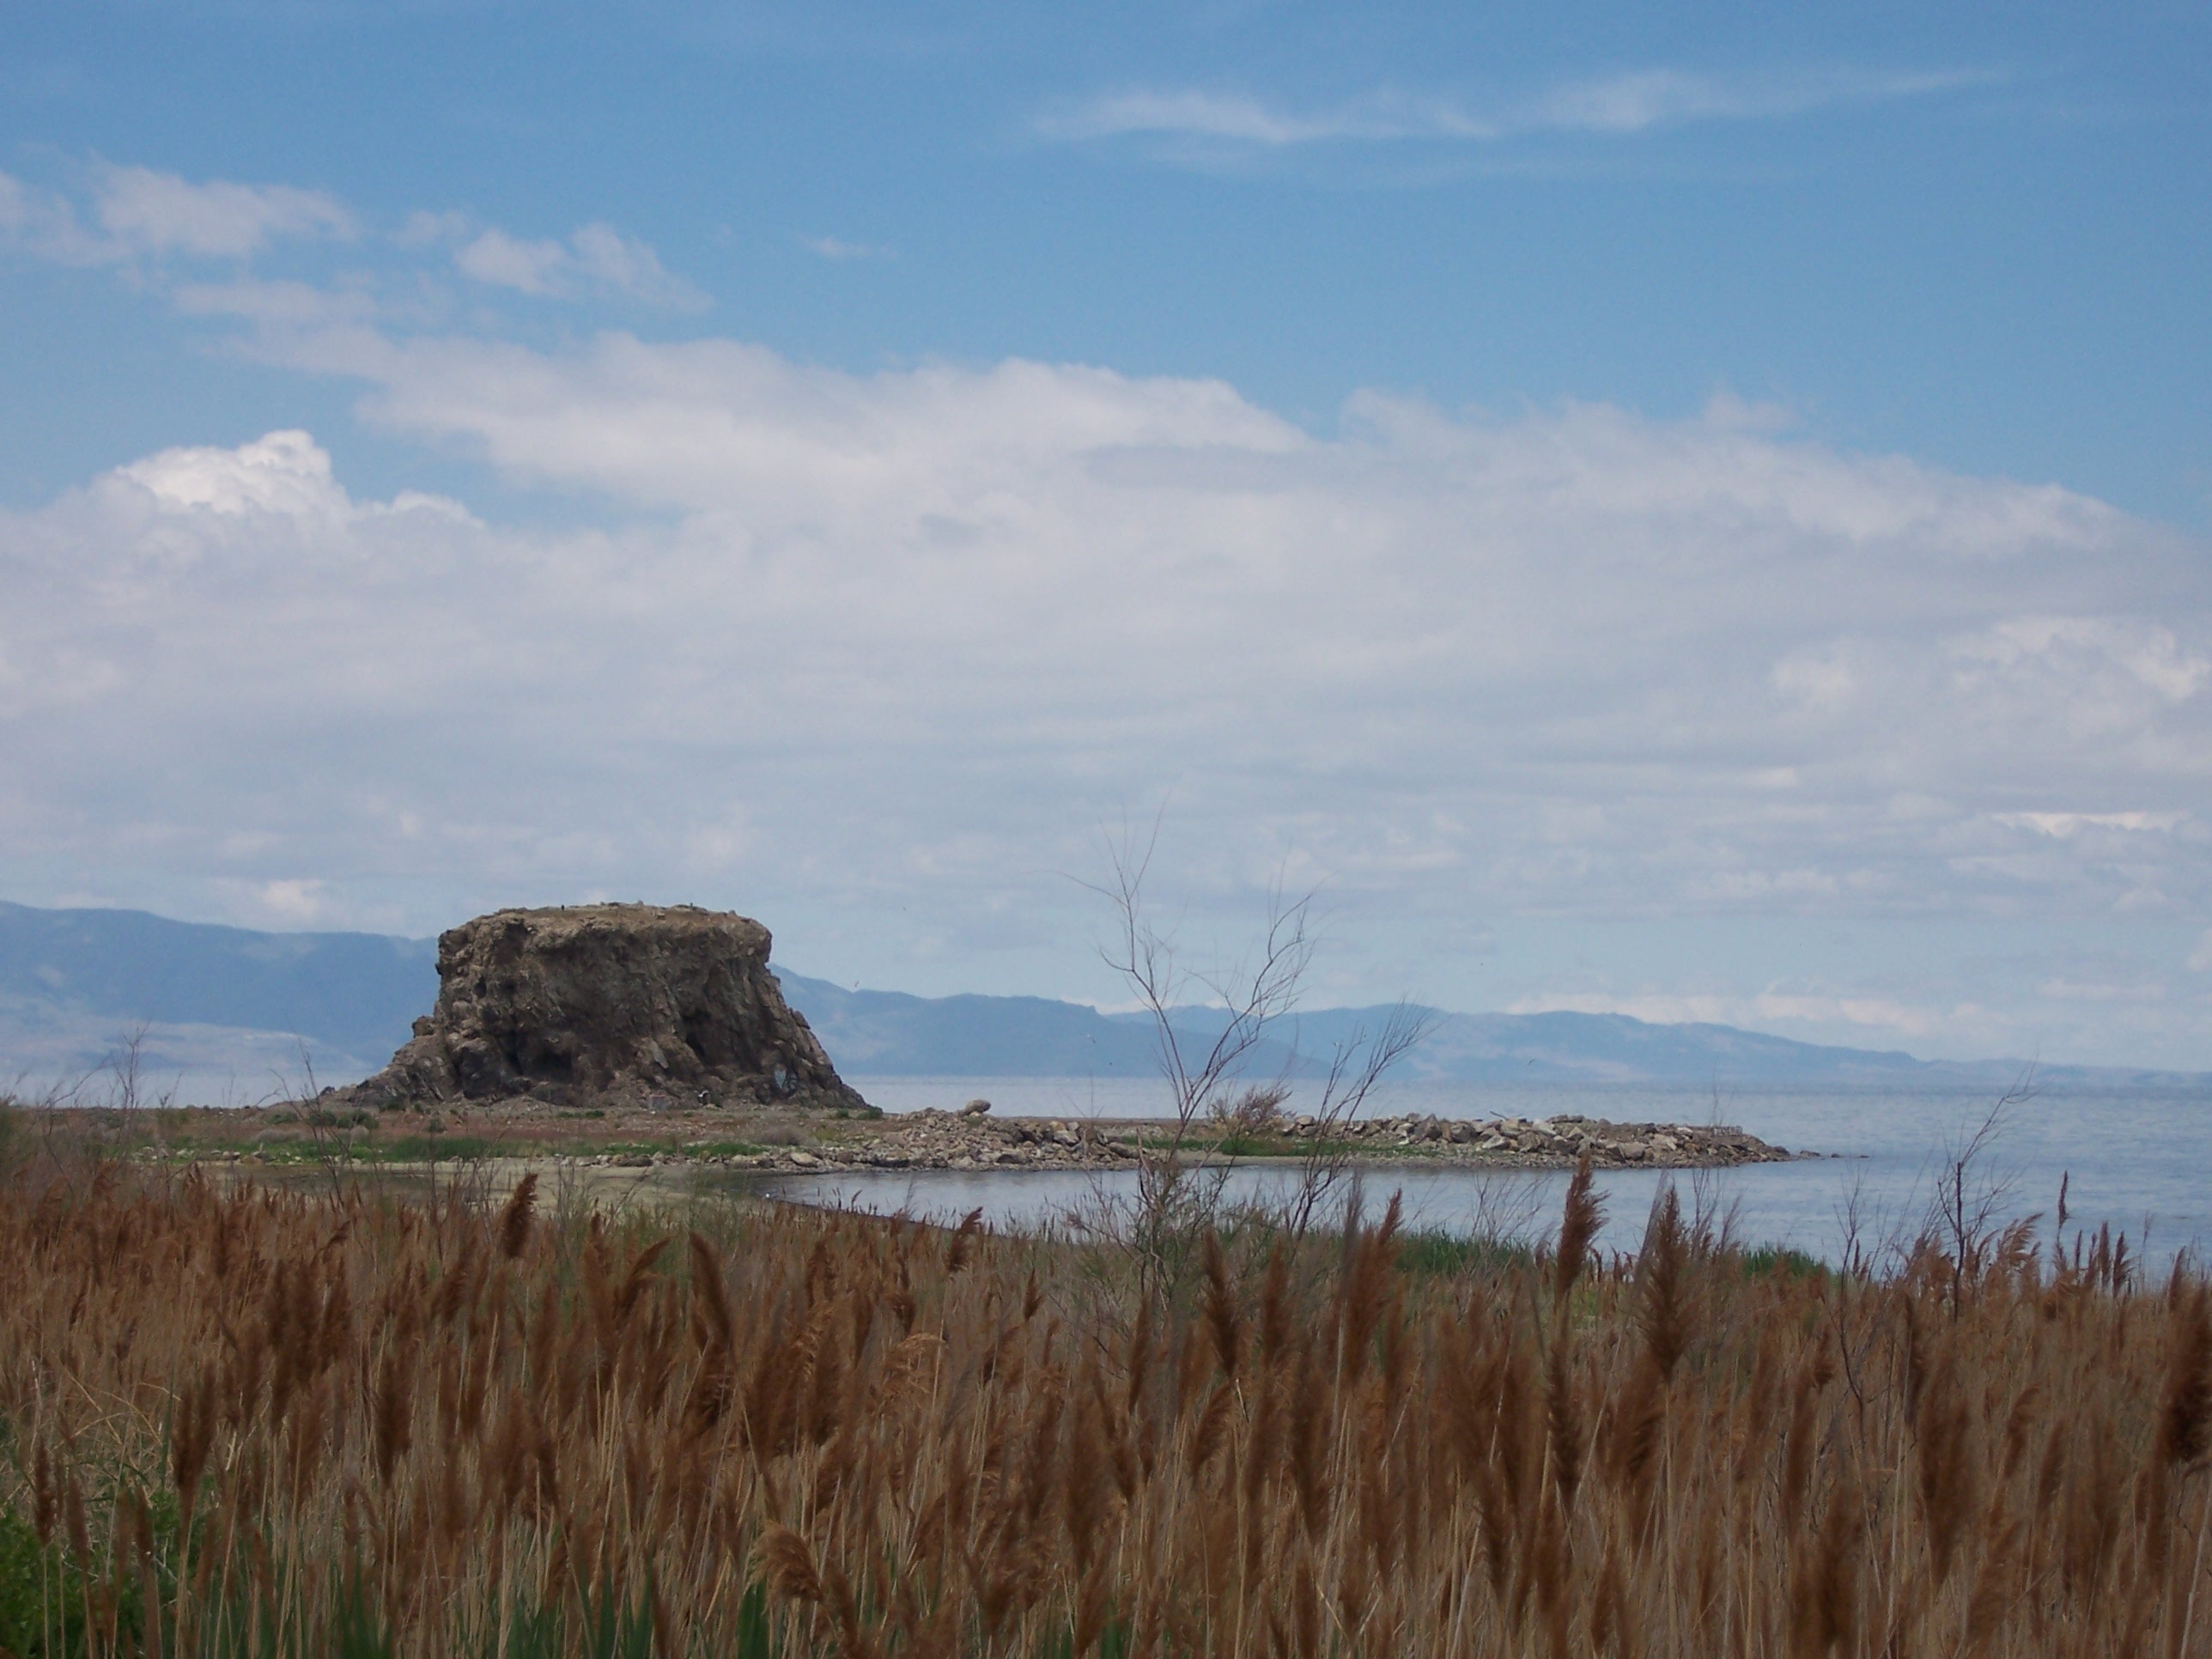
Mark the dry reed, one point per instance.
(241, 1419)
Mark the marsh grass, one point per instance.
(1775, 1259)
(433, 1149)
(1432, 1252)
(1250, 1145)
(248, 1420)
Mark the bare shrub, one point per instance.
(1256, 1112)
(1179, 1187)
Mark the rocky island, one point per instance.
(608, 1005)
(632, 1036)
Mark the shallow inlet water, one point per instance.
(2142, 1163)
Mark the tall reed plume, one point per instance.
(243, 1419)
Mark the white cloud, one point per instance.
(2149, 655)
(1641, 99)
(137, 213)
(288, 903)
(2064, 826)
(1889, 1019)
(44, 223)
(1631, 102)
(146, 211)
(144, 219)
(499, 259)
(903, 640)
(2068, 990)
(285, 305)
(424, 229)
(596, 258)
(283, 476)
(284, 472)
(1239, 118)
(837, 248)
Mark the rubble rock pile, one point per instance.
(624, 1003)
(951, 1140)
(971, 1140)
(1555, 1141)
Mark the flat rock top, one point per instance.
(550, 924)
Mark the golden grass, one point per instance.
(273, 1420)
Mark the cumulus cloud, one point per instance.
(1579, 660)
(284, 473)
(283, 476)
(904, 640)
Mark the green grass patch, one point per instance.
(45, 1594)
(1250, 1147)
(44, 1589)
(1792, 1265)
(1263, 1145)
(1432, 1252)
(42, 1594)
(436, 1149)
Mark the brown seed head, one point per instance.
(1223, 1322)
(515, 1220)
(788, 1565)
(2186, 1409)
(1579, 1222)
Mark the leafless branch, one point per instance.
(1356, 1067)
(1176, 1196)
(1969, 1197)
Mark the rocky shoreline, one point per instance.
(1558, 1142)
(799, 1143)
(968, 1140)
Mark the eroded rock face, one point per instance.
(609, 1000)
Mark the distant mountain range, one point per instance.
(885, 1034)
(236, 1014)
(228, 1014)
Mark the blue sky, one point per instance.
(1690, 509)
(1976, 235)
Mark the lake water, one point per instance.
(2141, 1162)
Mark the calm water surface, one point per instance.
(2142, 1162)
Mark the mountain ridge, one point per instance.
(73, 982)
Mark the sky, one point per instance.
(1696, 511)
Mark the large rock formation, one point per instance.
(600, 1000)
